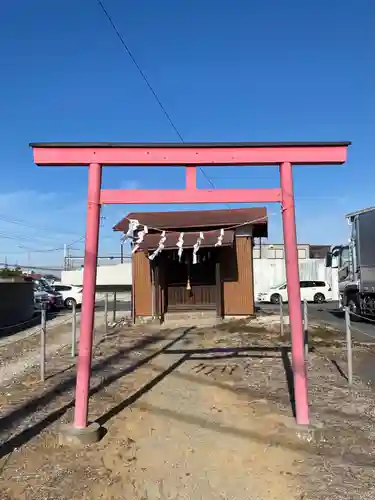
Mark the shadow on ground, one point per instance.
(15, 417)
(208, 355)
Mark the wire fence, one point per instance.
(349, 329)
(363, 318)
(33, 328)
(14, 326)
(362, 332)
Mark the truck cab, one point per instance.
(355, 264)
(339, 260)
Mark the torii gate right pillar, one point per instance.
(294, 298)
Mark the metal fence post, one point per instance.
(43, 328)
(281, 317)
(74, 328)
(106, 312)
(306, 327)
(114, 308)
(349, 346)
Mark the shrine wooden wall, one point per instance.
(236, 269)
(238, 279)
(142, 291)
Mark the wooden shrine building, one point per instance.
(193, 260)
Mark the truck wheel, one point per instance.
(319, 298)
(275, 298)
(354, 310)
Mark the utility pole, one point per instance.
(65, 255)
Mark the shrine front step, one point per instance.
(191, 318)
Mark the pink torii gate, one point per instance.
(97, 155)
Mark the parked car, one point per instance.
(312, 291)
(71, 294)
(55, 299)
(40, 298)
(50, 278)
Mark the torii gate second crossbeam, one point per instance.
(98, 155)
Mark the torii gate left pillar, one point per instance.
(96, 155)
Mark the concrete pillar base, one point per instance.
(310, 433)
(72, 436)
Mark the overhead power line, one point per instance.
(147, 81)
(30, 239)
(130, 54)
(16, 237)
(33, 226)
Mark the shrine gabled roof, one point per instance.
(188, 220)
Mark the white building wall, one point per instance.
(113, 275)
(271, 272)
(267, 273)
(276, 251)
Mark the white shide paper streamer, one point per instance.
(196, 247)
(160, 246)
(141, 235)
(220, 238)
(180, 244)
(133, 226)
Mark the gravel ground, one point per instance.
(339, 466)
(221, 393)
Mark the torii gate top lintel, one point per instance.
(177, 154)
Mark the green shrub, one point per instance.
(5, 272)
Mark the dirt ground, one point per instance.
(192, 414)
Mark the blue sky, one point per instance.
(239, 70)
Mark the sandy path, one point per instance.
(191, 440)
